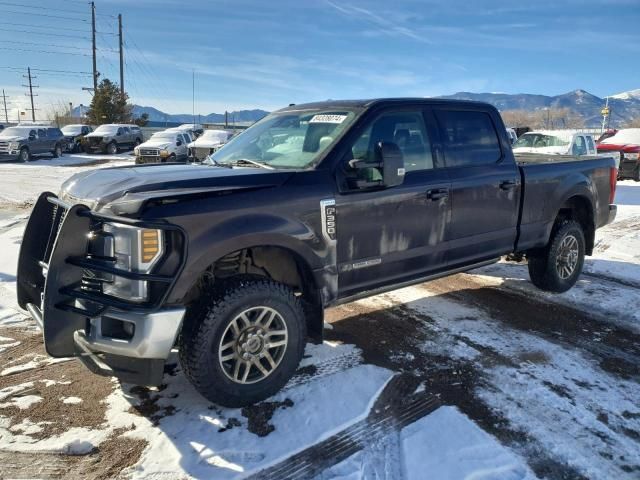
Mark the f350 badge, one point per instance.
(329, 216)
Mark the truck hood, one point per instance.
(543, 150)
(123, 190)
(100, 134)
(155, 144)
(12, 139)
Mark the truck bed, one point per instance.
(537, 158)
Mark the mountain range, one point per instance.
(158, 116)
(624, 107)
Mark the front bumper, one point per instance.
(77, 320)
(9, 156)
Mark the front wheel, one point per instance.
(25, 155)
(112, 148)
(57, 152)
(556, 268)
(243, 341)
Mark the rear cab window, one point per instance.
(469, 138)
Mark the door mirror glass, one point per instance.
(32, 136)
(392, 164)
(178, 143)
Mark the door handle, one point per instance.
(437, 194)
(508, 184)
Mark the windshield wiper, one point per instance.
(246, 161)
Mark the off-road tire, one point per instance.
(112, 148)
(542, 263)
(206, 321)
(24, 155)
(57, 151)
(172, 158)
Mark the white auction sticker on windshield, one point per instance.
(325, 118)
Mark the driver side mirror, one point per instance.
(390, 166)
(178, 143)
(32, 136)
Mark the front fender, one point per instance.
(245, 232)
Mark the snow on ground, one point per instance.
(23, 182)
(518, 397)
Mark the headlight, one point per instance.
(136, 250)
(14, 145)
(136, 151)
(164, 153)
(632, 156)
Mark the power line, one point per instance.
(47, 70)
(37, 7)
(45, 51)
(42, 15)
(30, 25)
(46, 44)
(43, 33)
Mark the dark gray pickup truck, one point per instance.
(234, 260)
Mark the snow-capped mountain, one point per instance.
(630, 95)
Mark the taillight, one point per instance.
(613, 181)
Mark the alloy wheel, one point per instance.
(253, 345)
(567, 258)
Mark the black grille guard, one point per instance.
(53, 257)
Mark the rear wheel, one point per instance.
(556, 268)
(244, 341)
(25, 155)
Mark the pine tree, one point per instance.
(109, 105)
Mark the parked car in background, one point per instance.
(194, 128)
(625, 144)
(113, 137)
(556, 142)
(74, 135)
(207, 143)
(167, 146)
(23, 142)
(1, 127)
(513, 136)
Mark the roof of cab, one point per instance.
(367, 103)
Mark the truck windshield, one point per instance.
(108, 129)
(539, 140)
(72, 130)
(292, 139)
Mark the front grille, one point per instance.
(203, 152)
(149, 152)
(4, 147)
(94, 141)
(148, 159)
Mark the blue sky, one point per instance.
(267, 54)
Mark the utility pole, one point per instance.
(121, 55)
(4, 99)
(193, 93)
(93, 41)
(30, 94)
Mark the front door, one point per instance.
(485, 185)
(387, 235)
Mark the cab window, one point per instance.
(406, 130)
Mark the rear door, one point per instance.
(387, 235)
(485, 184)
